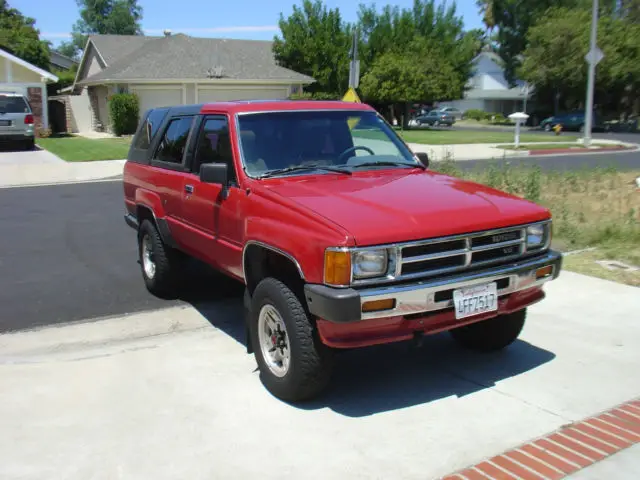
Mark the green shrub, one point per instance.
(124, 111)
(314, 96)
(475, 114)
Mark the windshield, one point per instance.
(273, 141)
(13, 104)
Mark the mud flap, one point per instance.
(247, 319)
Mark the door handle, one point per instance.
(188, 188)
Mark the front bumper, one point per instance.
(345, 305)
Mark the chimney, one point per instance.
(167, 33)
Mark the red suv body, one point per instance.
(343, 237)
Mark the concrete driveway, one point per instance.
(10, 156)
(172, 394)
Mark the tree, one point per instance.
(421, 73)
(315, 41)
(19, 35)
(554, 58)
(513, 19)
(116, 17)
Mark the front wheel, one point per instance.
(294, 364)
(491, 335)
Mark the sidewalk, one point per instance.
(489, 151)
(62, 172)
(172, 394)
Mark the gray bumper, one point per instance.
(344, 305)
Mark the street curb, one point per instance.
(579, 151)
(114, 178)
(565, 451)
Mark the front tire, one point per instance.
(491, 335)
(294, 364)
(160, 265)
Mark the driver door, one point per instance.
(212, 211)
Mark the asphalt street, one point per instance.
(68, 255)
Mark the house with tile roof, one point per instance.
(174, 70)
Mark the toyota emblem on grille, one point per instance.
(504, 237)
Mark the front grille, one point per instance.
(438, 256)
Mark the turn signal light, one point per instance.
(28, 119)
(377, 305)
(337, 267)
(544, 272)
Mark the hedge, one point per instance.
(124, 110)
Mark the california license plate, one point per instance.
(475, 300)
(5, 123)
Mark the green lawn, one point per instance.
(79, 149)
(452, 137)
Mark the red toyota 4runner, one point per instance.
(343, 237)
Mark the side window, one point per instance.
(150, 128)
(174, 141)
(214, 145)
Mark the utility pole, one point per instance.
(593, 58)
(354, 64)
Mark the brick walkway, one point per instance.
(564, 451)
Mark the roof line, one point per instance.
(28, 66)
(83, 60)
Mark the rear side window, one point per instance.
(13, 104)
(174, 141)
(150, 128)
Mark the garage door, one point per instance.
(153, 98)
(220, 95)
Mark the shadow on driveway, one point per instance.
(377, 379)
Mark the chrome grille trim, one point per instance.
(469, 257)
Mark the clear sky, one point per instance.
(250, 19)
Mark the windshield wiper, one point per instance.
(390, 164)
(297, 168)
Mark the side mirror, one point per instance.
(214, 173)
(424, 158)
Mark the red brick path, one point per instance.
(564, 451)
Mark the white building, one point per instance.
(489, 90)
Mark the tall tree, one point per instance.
(315, 41)
(512, 20)
(116, 17)
(554, 58)
(19, 35)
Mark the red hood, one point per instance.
(388, 206)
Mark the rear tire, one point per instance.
(547, 127)
(294, 364)
(491, 335)
(159, 263)
(30, 144)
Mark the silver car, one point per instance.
(16, 120)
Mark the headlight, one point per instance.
(537, 236)
(370, 263)
(343, 265)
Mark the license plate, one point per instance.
(475, 300)
(5, 123)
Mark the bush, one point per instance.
(475, 114)
(124, 111)
(314, 96)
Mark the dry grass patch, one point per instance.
(591, 207)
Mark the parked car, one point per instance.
(571, 121)
(16, 120)
(435, 118)
(342, 236)
(456, 113)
